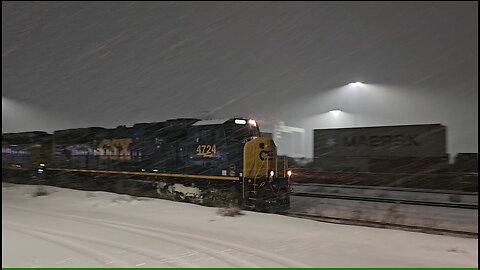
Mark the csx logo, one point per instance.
(114, 148)
(266, 155)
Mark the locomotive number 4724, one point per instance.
(206, 150)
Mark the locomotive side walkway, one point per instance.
(55, 227)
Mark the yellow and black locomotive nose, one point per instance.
(260, 158)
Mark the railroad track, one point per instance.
(384, 188)
(384, 225)
(385, 200)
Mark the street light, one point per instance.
(335, 112)
(356, 84)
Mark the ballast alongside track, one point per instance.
(385, 225)
(430, 211)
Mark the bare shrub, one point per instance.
(229, 212)
(40, 191)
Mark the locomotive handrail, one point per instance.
(258, 171)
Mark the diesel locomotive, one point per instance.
(211, 162)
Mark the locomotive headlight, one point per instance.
(240, 122)
(41, 164)
(272, 173)
(289, 173)
(40, 170)
(252, 122)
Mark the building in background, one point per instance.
(290, 141)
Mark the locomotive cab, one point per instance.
(241, 130)
(243, 153)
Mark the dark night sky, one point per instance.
(77, 64)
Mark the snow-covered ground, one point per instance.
(70, 228)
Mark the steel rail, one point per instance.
(385, 200)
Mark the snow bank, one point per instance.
(70, 228)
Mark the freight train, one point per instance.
(212, 162)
